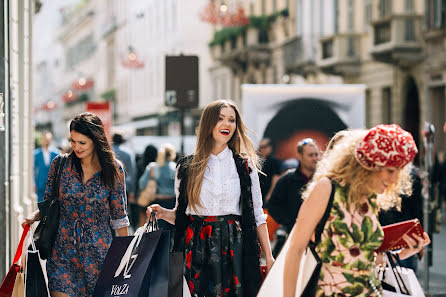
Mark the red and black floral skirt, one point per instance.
(214, 256)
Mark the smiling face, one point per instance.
(82, 145)
(384, 178)
(225, 127)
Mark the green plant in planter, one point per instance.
(262, 23)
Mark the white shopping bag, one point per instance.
(186, 291)
(273, 283)
(407, 276)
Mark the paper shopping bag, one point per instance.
(127, 268)
(19, 285)
(8, 283)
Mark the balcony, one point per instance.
(340, 54)
(396, 40)
(298, 56)
(248, 45)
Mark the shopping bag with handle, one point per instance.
(36, 280)
(136, 266)
(7, 286)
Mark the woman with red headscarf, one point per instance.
(343, 193)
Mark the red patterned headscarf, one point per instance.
(386, 146)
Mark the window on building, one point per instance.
(409, 30)
(274, 5)
(351, 47)
(80, 51)
(386, 96)
(435, 14)
(263, 7)
(336, 16)
(409, 6)
(321, 18)
(367, 14)
(275, 75)
(300, 18)
(385, 8)
(351, 19)
(368, 108)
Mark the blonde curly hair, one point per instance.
(339, 164)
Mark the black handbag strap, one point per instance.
(398, 277)
(60, 161)
(320, 227)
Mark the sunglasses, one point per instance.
(306, 141)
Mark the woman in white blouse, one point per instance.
(218, 215)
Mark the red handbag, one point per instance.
(393, 234)
(8, 282)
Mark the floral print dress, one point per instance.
(84, 236)
(351, 234)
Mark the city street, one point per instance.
(437, 283)
(150, 82)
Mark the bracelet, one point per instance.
(378, 293)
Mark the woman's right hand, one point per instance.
(35, 216)
(158, 209)
(28, 221)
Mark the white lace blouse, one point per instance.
(220, 191)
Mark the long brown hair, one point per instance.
(90, 125)
(239, 142)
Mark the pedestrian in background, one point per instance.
(271, 168)
(350, 175)
(127, 158)
(163, 172)
(43, 156)
(286, 199)
(219, 215)
(92, 197)
(149, 155)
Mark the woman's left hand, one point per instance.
(415, 244)
(269, 262)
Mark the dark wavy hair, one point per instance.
(90, 125)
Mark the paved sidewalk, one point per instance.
(437, 272)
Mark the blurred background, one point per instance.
(148, 67)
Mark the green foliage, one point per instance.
(109, 95)
(84, 97)
(227, 34)
(263, 23)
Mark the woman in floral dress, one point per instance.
(92, 198)
(218, 216)
(359, 166)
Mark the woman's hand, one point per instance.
(415, 245)
(35, 216)
(269, 262)
(158, 209)
(162, 213)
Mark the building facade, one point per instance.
(115, 51)
(394, 47)
(16, 133)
